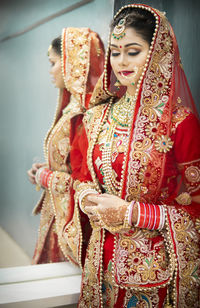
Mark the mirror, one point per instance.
(28, 102)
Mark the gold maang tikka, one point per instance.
(119, 29)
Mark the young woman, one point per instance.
(76, 59)
(139, 181)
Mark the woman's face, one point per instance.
(56, 70)
(128, 56)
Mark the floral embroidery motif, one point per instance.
(138, 262)
(163, 144)
(184, 199)
(151, 130)
(191, 173)
(149, 299)
(148, 175)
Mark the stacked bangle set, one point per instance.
(150, 216)
(43, 176)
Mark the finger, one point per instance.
(34, 168)
(93, 198)
(30, 173)
(37, 166)
(107, 195)
(32, 180)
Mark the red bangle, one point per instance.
(157, 218)
(149, 216)
(148, 213)
(142, 217)
(45, 177)
(152, 217)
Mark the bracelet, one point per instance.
(157, 218)
(142, 215)
(162, 220)
(37, 176)
(126, 220)
(43, 176)
(138, 208)
(150, 216)
(128, 216)
(130, 213)
(83, 195)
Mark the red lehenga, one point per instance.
(82, 64)
(156, 159)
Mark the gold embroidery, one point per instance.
(163, 144)
(184, 199)
(192, 174)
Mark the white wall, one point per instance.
(28, 100)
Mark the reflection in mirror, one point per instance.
(76, 59)
(28, 105)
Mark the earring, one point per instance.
(117, 83)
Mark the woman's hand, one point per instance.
(105, 208)
(32, 172)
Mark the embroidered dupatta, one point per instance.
(82, 61)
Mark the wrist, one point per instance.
(83, 196)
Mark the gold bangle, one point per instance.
(126, 223)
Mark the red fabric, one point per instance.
(187, 140)
(78, 155)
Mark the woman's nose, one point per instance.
(123, 59)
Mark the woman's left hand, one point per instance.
(109, 208)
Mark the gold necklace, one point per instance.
(127, 105)
(120, 111)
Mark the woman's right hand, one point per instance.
(32, 172)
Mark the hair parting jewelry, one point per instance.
(118, 32)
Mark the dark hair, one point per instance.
(56, 45)
(141, 20)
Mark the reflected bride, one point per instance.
(76, 63)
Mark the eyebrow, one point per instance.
(127, 45)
